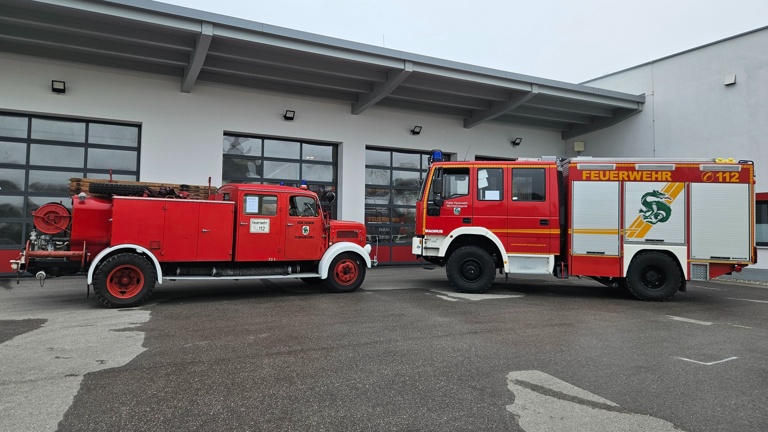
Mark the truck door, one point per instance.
(449, 207)
(491, 202)
(532, 224)
(304, 229)
(259, 228)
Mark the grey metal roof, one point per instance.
(194, 46)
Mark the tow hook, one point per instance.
(41, 277)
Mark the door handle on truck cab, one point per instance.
(544, 222)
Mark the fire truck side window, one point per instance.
(455, 183)
(528, 184)
(302, 206)
(490, 184)
(264, 205)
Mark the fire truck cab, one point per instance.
(644, 224)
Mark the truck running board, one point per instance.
(294, 275)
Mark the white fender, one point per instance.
(137, 248)
(341, 247)
(478, 231)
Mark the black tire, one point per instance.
(311, 280)
(470, 269)
(654, 276)
(346, 273)
(116, 189)
(124, 280)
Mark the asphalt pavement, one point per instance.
(403, 353)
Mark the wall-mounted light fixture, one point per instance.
(289, 115)
(578, 146)
(416, 130)
(59, 87)
(516, 142)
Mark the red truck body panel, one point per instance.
(175, 230)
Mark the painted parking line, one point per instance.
(474, 297)
(749, 300)
(707, 364)
(545, 403)
(688, 320)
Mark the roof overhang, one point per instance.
(195, 46)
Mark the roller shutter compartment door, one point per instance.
(720, 221)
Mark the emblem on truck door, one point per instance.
(655, 209)
(305, 230)
(457, 211)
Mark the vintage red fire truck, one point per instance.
(647, 225)
(127, 244)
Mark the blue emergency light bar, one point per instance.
(435, 156)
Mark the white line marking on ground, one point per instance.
(741, 326)
(688, 320)
(707, 364)
(545, 403)
(749, 300)
(447, 298)
(476, 297)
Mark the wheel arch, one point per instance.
(114, 250)
(474, 236)
(339, 248)
(678, 253)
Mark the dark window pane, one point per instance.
(242, 146)
(112, 159)
(11, 180)
(317, 172)
(15, 127)
(235, 168)
(405, 160)
(761, 227)
(379, 196)
(317, 152)
(11, 207)
(11, 234)
(406, 179)
(281, 170)
(377, 176)
(377, 215)
(13, 153)
(51, 181)
(127, 136)
(282, 149)
(405, 197)
(528, 184)
(404, 215)
(382, 234)
(377, 157)
(57, 156)
(58, 130)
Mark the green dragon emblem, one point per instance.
(656, 210)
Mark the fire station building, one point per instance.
(140, 90)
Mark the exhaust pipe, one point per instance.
(41, 277)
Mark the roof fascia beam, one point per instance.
(382, 90)
(498, 109)
(600, 123)
(197, 58)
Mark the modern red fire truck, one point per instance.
(648, 225)
(127, 244)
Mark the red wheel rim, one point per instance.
(125, 281)
(345, 272)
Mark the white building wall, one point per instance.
(690, 113)
(181, 139)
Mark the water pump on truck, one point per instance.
(130, 236)
(648, 225)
